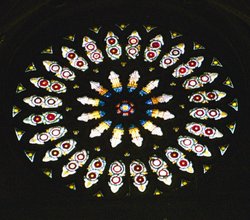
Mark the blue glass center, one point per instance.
(125, 107)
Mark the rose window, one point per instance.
(123, 111)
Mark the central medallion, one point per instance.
(125, 108)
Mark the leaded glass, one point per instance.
(125, 110)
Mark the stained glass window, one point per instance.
(126, 110)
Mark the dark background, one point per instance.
(221, 194)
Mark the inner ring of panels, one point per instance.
(125, 110)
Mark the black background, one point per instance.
(221, 194)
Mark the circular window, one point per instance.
(126, 110)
